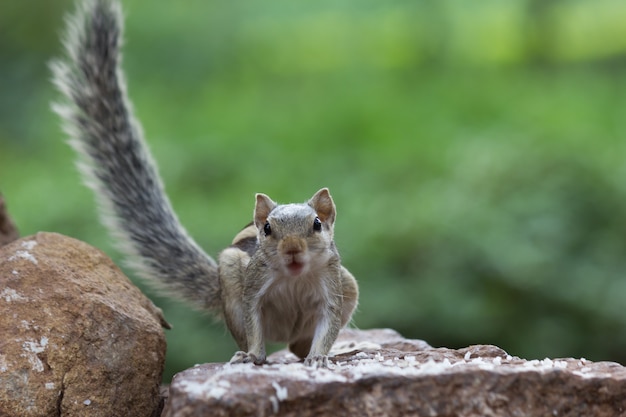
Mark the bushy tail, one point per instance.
(115, 160)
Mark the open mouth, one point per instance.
(295, 268)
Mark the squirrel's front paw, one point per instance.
(247, 357)
(317, 361)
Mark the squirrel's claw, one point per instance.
(317, 361)
(247, 357)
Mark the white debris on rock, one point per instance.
(29, 244)
(25, 254)
(4, 365)
(361, 365)
(281, 392)
(207, 389)
(351, 346)
(9, 295)
(281, 395)
(31, 349)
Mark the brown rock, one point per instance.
(77, 338)
(8, 231)
(377, 373)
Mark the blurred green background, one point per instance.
(475, 150)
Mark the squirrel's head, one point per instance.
(298, 237)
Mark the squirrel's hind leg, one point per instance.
(232, 265)
(350, 291)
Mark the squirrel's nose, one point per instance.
(292, 246)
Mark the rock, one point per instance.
(378, 373)
(8, 231)
(78, 338)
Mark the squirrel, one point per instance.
(280, 280)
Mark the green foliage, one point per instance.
(476, 154)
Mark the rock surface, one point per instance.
(8, 230)
(77, 338)
(378, 373)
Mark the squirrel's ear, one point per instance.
(264, 205)
(323, 205)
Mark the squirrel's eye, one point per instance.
(317, 224)
(267, 229)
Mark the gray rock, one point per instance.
(378, 373)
